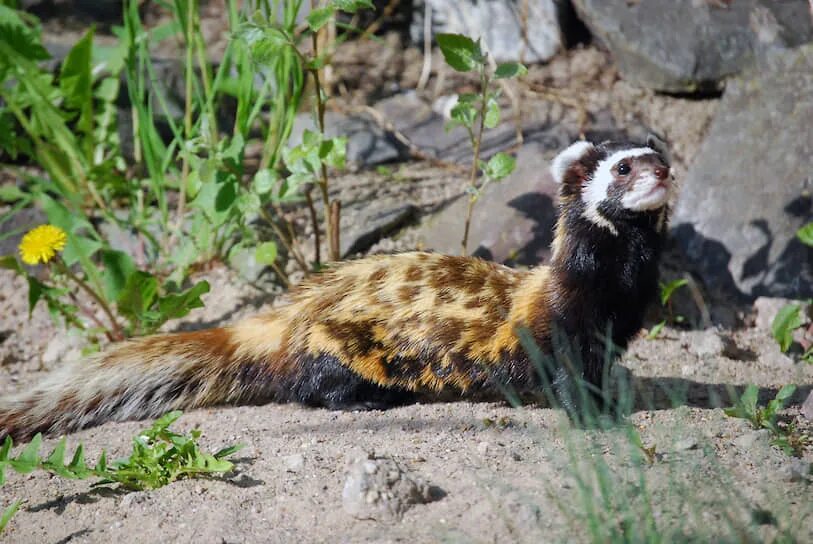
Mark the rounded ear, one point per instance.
(565, 158)
(657, 143)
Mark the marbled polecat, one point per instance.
(377, 331)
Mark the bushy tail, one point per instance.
(143, 378)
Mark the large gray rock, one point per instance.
(425, 129)
(687, 46)
(513, 219)
(367, 224)
(749, 188)
(509, 33)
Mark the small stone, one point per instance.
(796, 470)
(685, 444)
(706, 344)
(295, 463)
(749, 440)
(482, 448)
(61, 348)
(130, 499)
(500, 24)
(380, 489)
(807, 407)
(771, 355)
(766, 309)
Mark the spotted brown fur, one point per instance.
(379, 330)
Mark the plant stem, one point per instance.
(323, 183)
(315, 221)
(335, 213)
(282, 275)
(117, 334)
(484, 81)
(187, 121)
(91, 315)
(282, 238)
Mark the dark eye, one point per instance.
(623, 168)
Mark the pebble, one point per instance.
(61, 348)
(378, 488)
(807, 406)
(685, 444)
(766, 309)
(771, 355)
(130, 499)
(294, 463)
(796, 470)
(706, 344)
(749, 440)
(482, 448)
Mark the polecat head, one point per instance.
(612, 182)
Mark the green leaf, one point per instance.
(787, 320)
(10, 262)
(509, 70)
(63, 218)
(499, 166)
(786, 392)
(178, 305)
(163, 422)
(668, 289)
(266, 253)
(334, 152)
(29, 458)
(226, 196)
(118, 266)
(101, 464)
(77, 463)
(265, 43)
(461, 52)
(805, 234)
(10, 193)
(76, 80)
(8, 513)
(463, 113)
(233, 153)
(748, 400)
(229, 450)
(655, 330)
(57, 456)
(264, 181)
(80, 249)
(492, 118)
(35, 291)
(768, 419)
(320, 17)
(24, 40)
(138, 295)
(8, 443)
(352, 6)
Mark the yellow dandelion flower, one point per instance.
(42, 243)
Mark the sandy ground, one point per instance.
(499, 474)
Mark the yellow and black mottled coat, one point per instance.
(377, 331)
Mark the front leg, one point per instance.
(578, 379)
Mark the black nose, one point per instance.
(661, 172)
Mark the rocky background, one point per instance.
(729, 84)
